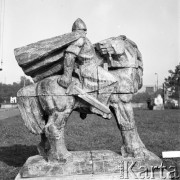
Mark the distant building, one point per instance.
(13, 100)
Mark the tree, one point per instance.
(144, 96)
(24, 81)
(172, 83)
(141, 97)
(10, 90)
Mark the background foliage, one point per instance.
(172, 82)
(10, 90)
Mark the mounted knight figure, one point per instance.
(72, 74)
(92, 76)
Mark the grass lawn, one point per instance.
(159, 130)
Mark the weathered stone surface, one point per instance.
(31, 110)
(44, 58)
(102, 164)
(36, 51)
(45, 63)
(50, 71)
(125, 61)
(79, 163)
(46, 112)
(115, 176)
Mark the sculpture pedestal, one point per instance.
(91, 165)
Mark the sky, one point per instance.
(153, 24)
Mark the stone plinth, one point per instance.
(90, 165)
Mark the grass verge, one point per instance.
(159, 130)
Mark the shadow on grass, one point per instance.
(17, 155)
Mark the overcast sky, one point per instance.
(153, 24)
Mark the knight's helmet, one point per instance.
(79, 25)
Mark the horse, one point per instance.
(45, 108)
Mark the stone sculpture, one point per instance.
(72, 74)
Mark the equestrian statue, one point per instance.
(72, 74)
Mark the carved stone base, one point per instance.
(94, 165)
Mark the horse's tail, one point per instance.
(30, 109)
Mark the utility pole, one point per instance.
(164, 93)
(178, 87)
(1, 66)
(2, 14)
(156, 81)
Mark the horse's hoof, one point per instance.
(148, 155)
(66, 159)
(140, 153)
(125, 153)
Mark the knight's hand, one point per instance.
(64, 81)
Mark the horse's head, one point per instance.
(123, 59)
(119, 52)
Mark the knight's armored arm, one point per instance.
(69, 60)
(70, 55)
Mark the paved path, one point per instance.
(6, 113)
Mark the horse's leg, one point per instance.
(132, 144)
(55, 133)
(43, 146)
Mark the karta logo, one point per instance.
(133, 170)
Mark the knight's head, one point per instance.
(79, 25)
